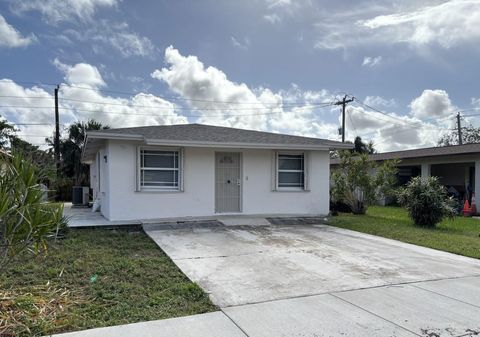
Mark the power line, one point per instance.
(471, 115)
(29, 83)
(22, 97)
(265, 105)
(30, 124)
(165, 115)
(351, 121)
(170, 97)
(416, 124)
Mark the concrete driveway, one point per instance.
(323, 281)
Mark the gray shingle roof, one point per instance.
(425, 152)
(215, 134)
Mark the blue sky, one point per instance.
(260, 64)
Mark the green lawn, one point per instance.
(459, 235)
(94, 278)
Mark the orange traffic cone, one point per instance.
(466, 208)
(473, 207)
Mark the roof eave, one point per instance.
(168, 142)
(329, 145)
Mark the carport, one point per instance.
(456, 166)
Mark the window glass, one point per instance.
(290, 162)
(160, 178)
(291, 173)
(160, 159)
(290, 179)
(159, 170)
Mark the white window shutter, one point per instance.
(274, 170)
(137, 169)
(182, 168)
(306, 170)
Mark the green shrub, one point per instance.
(426, 201)
(26, 220)
(359, 181)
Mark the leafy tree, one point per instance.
(426, 201)
(26, 220)
(470, 134)
(359, 181)
(7, 130)
(33, 153)
(71, 149)
(359, 146)
(362, 147)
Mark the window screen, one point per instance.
(291, 171)
(159, 170)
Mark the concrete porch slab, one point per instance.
(84, 217)
(214, 324)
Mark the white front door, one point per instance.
(228, 181)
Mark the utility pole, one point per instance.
(343, 103)
(459, 127)
(56, 141)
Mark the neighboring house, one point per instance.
(456, 166)
(199, 170)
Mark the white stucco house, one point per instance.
(156, 172)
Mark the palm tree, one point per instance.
(71, 149)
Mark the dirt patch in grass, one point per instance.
(94, 278)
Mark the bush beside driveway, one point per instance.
(459, 235)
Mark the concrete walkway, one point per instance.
(447, 307)
(214, 324)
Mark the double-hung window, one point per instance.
(159, 170)
(290, 171)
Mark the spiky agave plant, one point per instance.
(27, 220)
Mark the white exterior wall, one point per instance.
(120, 201)
(104, 186)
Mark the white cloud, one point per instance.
(369, 61)
(431, 104)
(277, 10)
(22, 108)
(278, 3)
(105, 35)
(128, 43)
(54, 11)
(188, 76)
(272, 18)
(11, 38)
(446, 24)
(416, 24)
(238, 44)
(377, 101)
(291, 111)
(258, 109)
(80, 99)
(139, 109)
(391, 132)
(81, 73)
